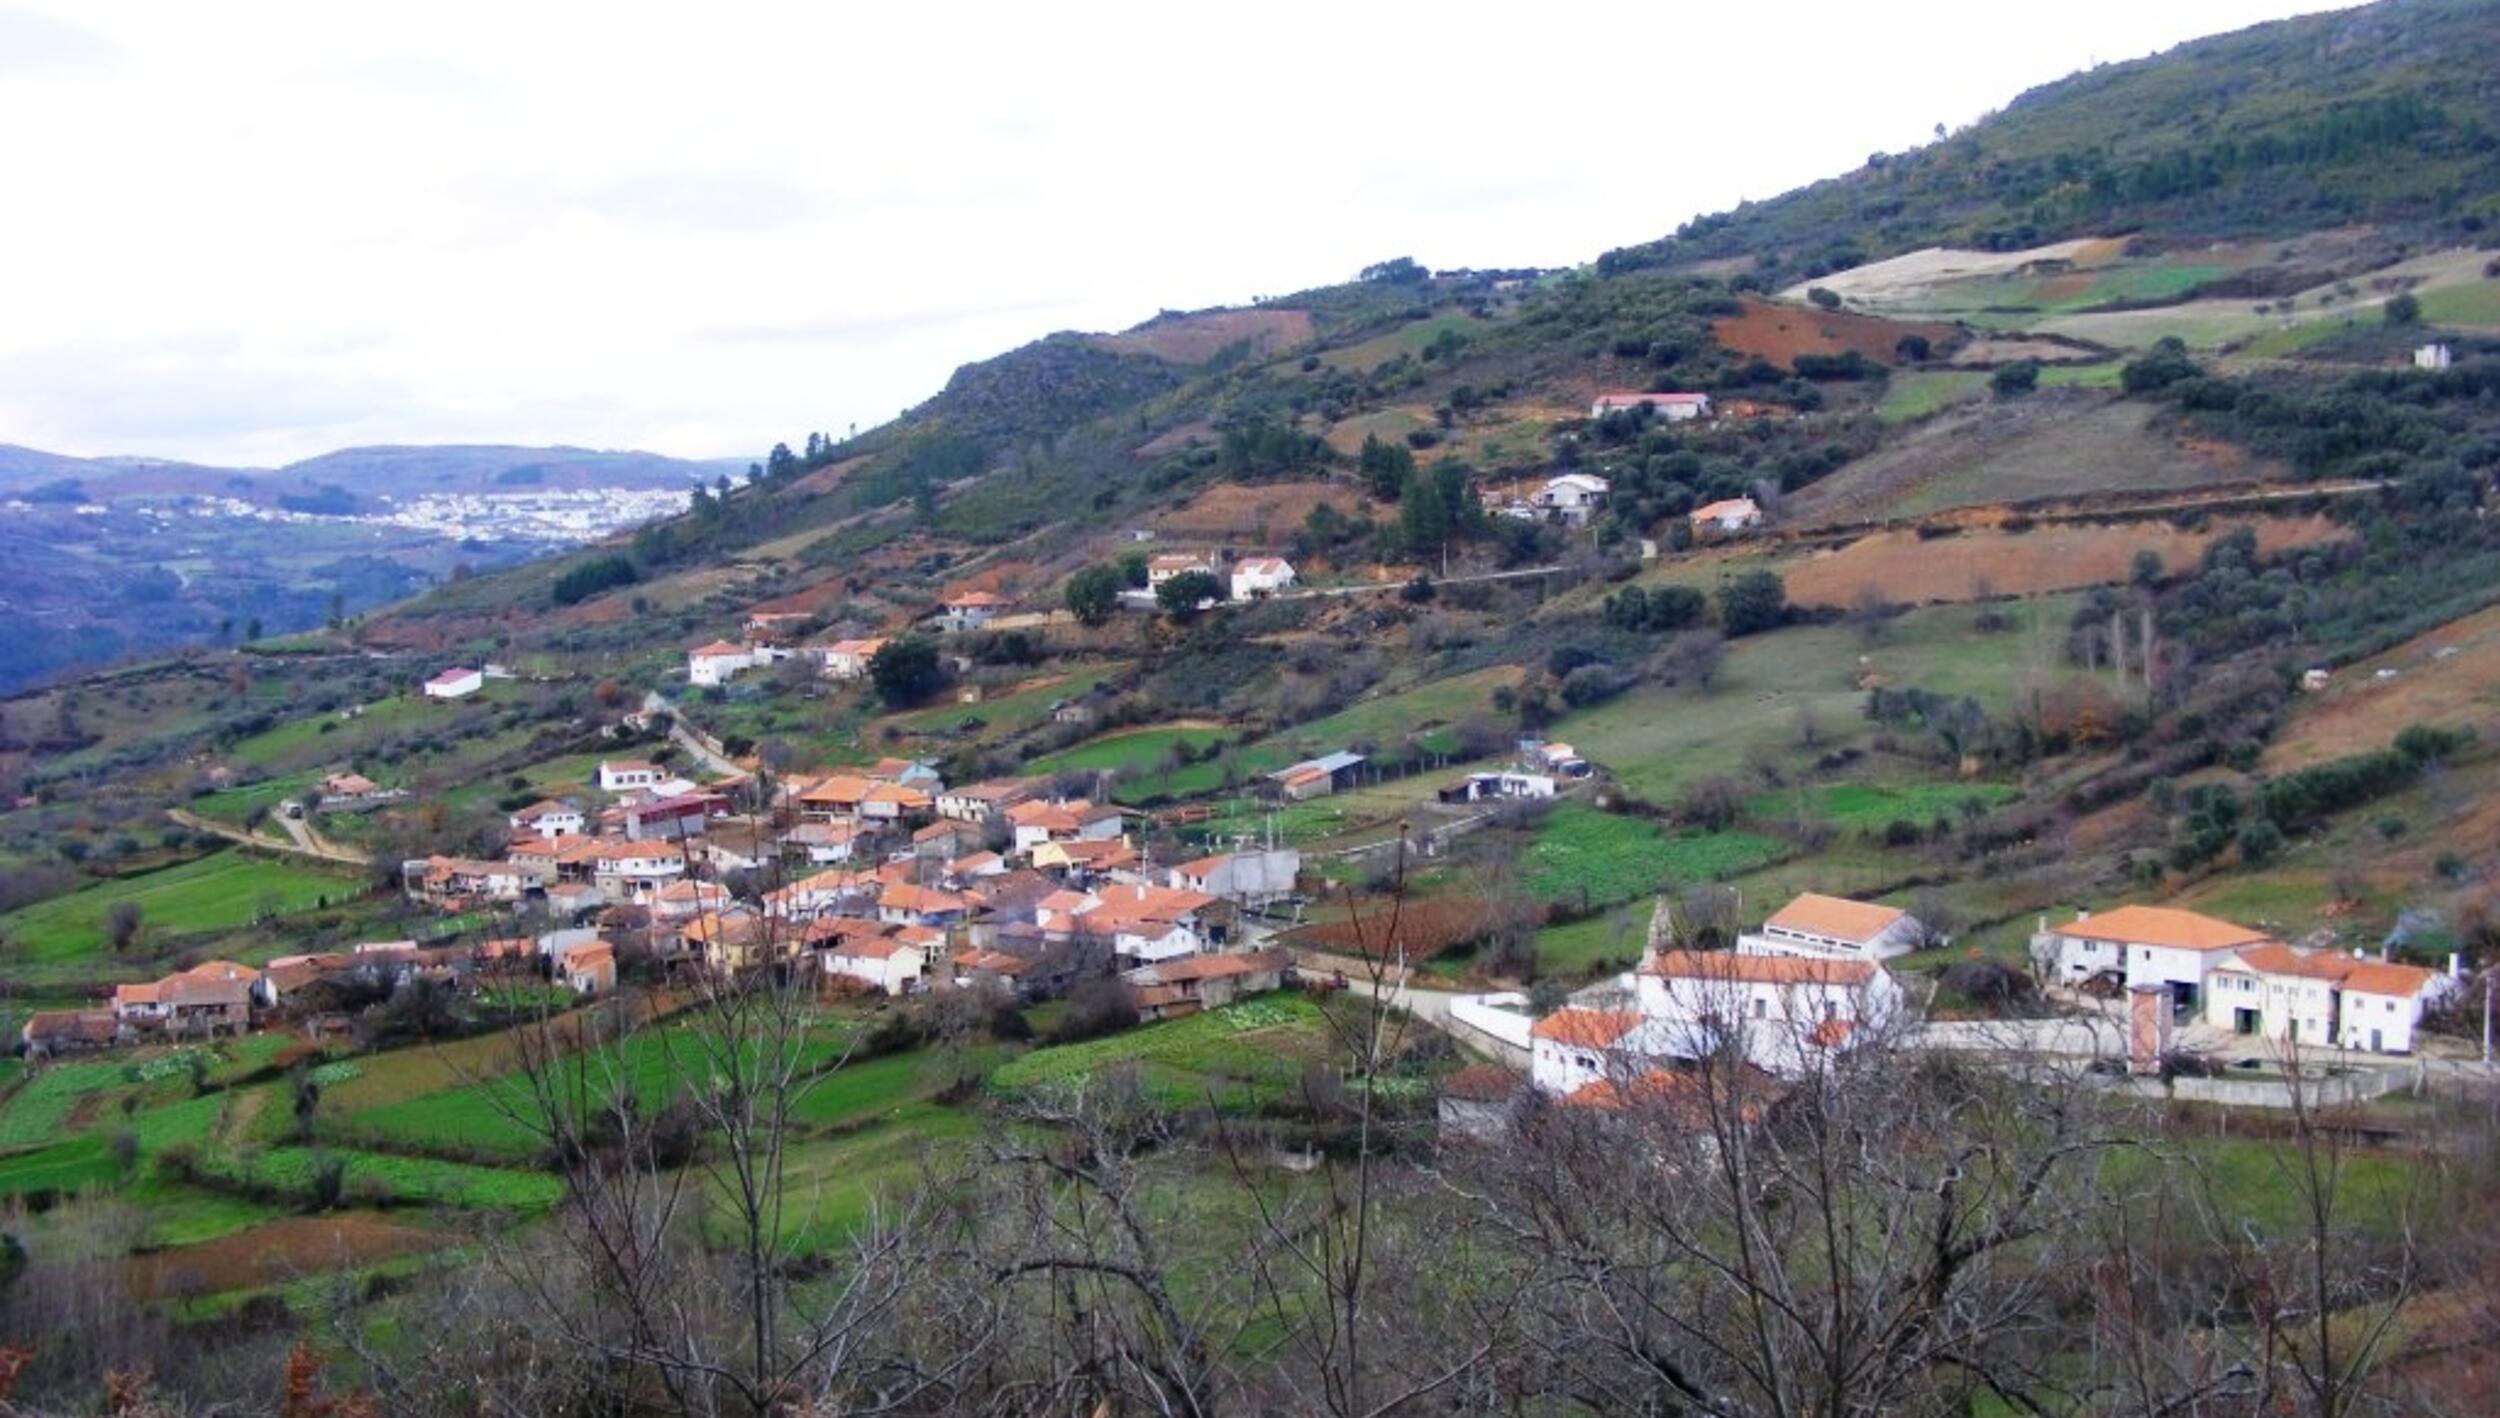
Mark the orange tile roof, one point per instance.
(1743, 968)
(2381, 977)
(1726, 506)
(1684, 1094)
(838, 788)
(719, 647)
(1834, 916)
(2162, 926)
(903, 896)
(1586, 1028)
(2369, 977)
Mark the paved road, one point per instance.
(1428, 1005)
(681, 732)
(1438, 582)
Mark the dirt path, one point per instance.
(274, 1253)
(300, 840)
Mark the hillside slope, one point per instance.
(2388, 113)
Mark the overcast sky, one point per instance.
(246, 233)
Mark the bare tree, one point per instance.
(1876, 1236)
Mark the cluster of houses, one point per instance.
(875, 879)
(1248, 578)
(1812, 984)
(2235, 978)
(220, 997)
(882, 876)
(1571, 499)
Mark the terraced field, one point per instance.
(216, 892)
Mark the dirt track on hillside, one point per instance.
(274, 1253)
(1780, 333)
(1983, 562)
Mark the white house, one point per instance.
(717, 663)
(970, 610)
(625, 775)
(1786, 1013)
(1163, 568)
(826, 843)
(1146, 924)
(1260, 576)
(1571, 497)
(637, 869)
(2320, 998)
(2145, 945)
(1502, 783)
(979, 802)
(1252, 878)
(1674, 408)
(2434, 356)
(1728, 514)
(455, 684)
(1572, 1048)
(685, 899)
(548, 819)
(1833, 927)
(879, 962)
(849, 659)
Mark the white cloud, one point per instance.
(34, 44)
(254, 231)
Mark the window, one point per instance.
(1761, 1007)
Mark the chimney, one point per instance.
(2148, 1028)
(2456, 965)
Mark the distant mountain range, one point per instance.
(102, 558)
(397, 470)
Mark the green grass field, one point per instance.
(1423, 715)
(2476, 306)
(1002, 717)
(1657, 741)
(1592, 858)
(494, 1116)
(1234, 1058)
(232, 805)
(381, 1177)
(1578, 947)
(289, 743)
(217, 892)
(1130, 752)
(1870, 807)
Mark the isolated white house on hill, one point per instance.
(1163, 568)
(717, 663)
(455, 684)
(1260, 576)
(1571, 497)
(1674, 408)
(848, 659)
(1728, 514)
